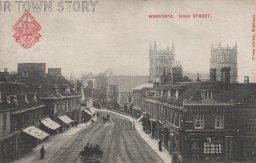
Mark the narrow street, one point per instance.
(119, 141)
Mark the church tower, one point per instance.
(160, 60)
(224, 57)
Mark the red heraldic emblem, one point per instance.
(27, 29)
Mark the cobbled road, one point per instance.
(119, 141)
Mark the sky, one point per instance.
(118, 33)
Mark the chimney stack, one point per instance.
(5, 70)
(225, 75)
(246, 79)
(198, 78)
(213, 74)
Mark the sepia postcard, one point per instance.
(127, 81)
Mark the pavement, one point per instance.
(52, 144)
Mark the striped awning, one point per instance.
(92, 110)
(66, 119)
(48, 122)
(88, 112)
(35, 132)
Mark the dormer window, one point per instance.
(176, 94)
(8, 99)
(206, 95)
(35, 99)
(24, 74)
(15, 100)
(26, 98)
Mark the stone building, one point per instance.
(120, 88)
(160, 59)
(139, 95)
(224, 57)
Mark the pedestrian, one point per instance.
(42, 152)
(160, 145)
(174, 158)
(87, 147)
(133, 123)
(179, 160)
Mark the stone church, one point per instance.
(160, 60)
(224, 57)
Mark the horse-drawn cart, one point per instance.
(106, 119)
(91, 157)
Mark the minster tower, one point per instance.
(160, 60)
(224, 57)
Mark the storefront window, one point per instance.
(4, 122)
(199, 121)
(251, 123)
(219, 121)
(213, 147)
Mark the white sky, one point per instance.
(117, 35)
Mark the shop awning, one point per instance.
(66, 119)
(92, 110)
(136, 108)
(50, 123)
(88, 112)
(35, 132)
(141, 117)
(153, 119)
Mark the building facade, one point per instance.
(224, 57)
(204, 121)
(120, 89)
(160, 60)
(60, 97)
(20, 115)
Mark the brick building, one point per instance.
(20, 115)
(212, 121)
(60, 97)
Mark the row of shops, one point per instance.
(16, 144)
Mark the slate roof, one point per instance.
(127, 83)
(50, 86)
(221, 93)
(18, 90)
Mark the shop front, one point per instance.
(7, 148)
(154, 128)
(65, 122)
(87, 115)
(29, 138)
(50, 126)
(210, 149)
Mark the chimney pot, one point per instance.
(246, 79)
